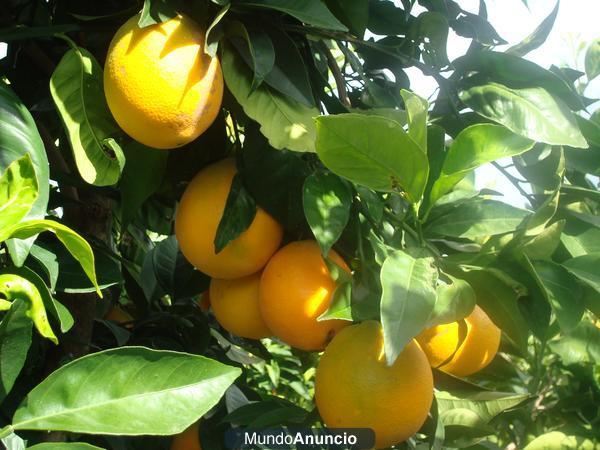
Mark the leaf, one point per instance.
(77, 90)
(157, 11)
(531, 112)
(500, 300)
(326, 201)
(592, 60)
(407, 300)
(579, 238)
(416, 108)
(431, 28)
(586, 268)
(486, 404)
(19, 137)
(476, 27)
(285, 122)
(214, 32)
(579, 346)
(15, 339)
(385, 18)
(18, 191)
(258, 49)
(474, 146)
(515, 72)
(142, 176)
(543, 245)
(75, 244)
(562, 292)
(372, 151)
(539, 35)
(557, 440)
(308, 11)
(64, 446)
(352, 13)
(48, 262)
(13, 442)
(14, 287)
(152, 392)
(478, 218)
(238, 214)
(341, 303)
(454, 301)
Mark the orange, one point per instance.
(119, 315)
(187, 440)
(204, 301)
(198, 218)
(295, 289)
(355, 388)
(480, 342)
(235, 306)
(161, 88)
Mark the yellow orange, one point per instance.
(198, 218)
(119, 315)
(355, 388)
(462, 348)
(235, 306)
(295, 289)
(161, 87)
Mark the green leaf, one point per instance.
(308, 11)
(500, 300)
(580, 238)
(157, 11)
(77, 89)
(352, 13)
(18, 191)
(286, 123)
(474, 146)
(75, 244)
(19, 137)
(557, 440)
(372, 151)
(214, 32)
(150, 392)
(15, 339)
(543, 245)
(454, 301)
(562, 292)
(238, 214)
(258, 49)
(530, 112)
(52, 306)
(539, 35)
(47, 263)
(431, 28)
(478, 218)
(586, 268)
(64, 446)
(142, 176)
(580, 346)
(13, 287)
(326, 201)
(516, 72)
(341, 303)
(407, 300)
(485, 404)
(592, 60)
(416, 108)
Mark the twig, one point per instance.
(340, 83)
(514, 180)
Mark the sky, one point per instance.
(577, 24)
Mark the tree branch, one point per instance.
(340, 82)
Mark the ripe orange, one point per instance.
(295, 289)
(235, 306)
(198, 218)
(161, 87)
(355, 388)
(442, 344)
(187, 440)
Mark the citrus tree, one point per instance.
(236, 213)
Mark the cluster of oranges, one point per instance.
(164, 91)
